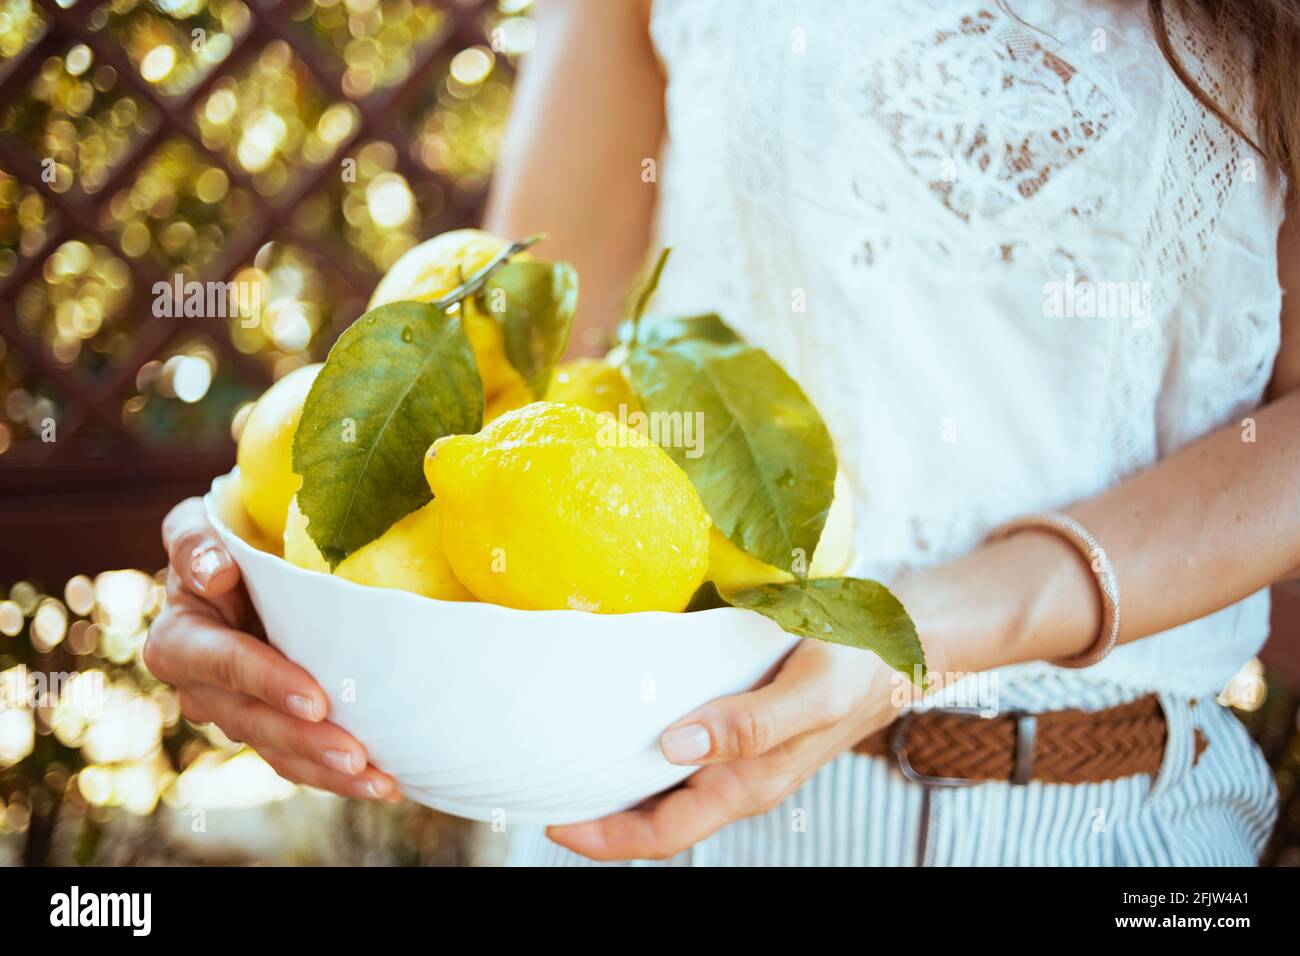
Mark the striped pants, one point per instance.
(859, 811)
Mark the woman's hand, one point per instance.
(230, 678)
(996, 606)
(756, 749)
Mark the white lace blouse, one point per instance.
(1011, 264)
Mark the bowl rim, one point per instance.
(419, 600)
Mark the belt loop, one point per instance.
(1026, 737)
(1180, 744)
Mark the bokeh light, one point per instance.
(187, 397)
(374, 39)
(272, 119)
(180, 210)
(458, 134)
(175, 43)
(300, 301)
(76, 120)
(78, 305)
(20, 24)
(25, 222)
(264, 114)
(28, 402)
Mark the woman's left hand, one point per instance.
(756, 749)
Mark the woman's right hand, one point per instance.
(230, 678)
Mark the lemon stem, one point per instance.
(475, 282)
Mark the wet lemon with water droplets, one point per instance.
(553, 506)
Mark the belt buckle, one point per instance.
(1026, 732)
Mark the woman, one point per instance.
(1021, 262)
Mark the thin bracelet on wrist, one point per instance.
(1102, 571)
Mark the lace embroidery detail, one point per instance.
(985, 114)
(1196, 179)
(1201, 165)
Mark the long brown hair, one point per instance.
(1271, 31)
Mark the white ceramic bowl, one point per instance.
(485, 712)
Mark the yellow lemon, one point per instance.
(407, 557)
(733, 569)
(592, 384)
(553, 506)
(265, 456)
(507, 400)
(435, 267)
(488, 342)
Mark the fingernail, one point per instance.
(685, 744)
(340, 760)
(304, 708)
(204, 563)
(370, 789)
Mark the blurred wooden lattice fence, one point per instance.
(91, 498)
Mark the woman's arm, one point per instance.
(588, 113)
(1212, 523)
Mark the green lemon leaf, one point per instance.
(535, 303)
(849, 611)
(706, 598)
(665, 330)
(761, 458)
(401, 377)
(670, 331)
(648, 290)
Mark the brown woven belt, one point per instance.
(957, 746)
